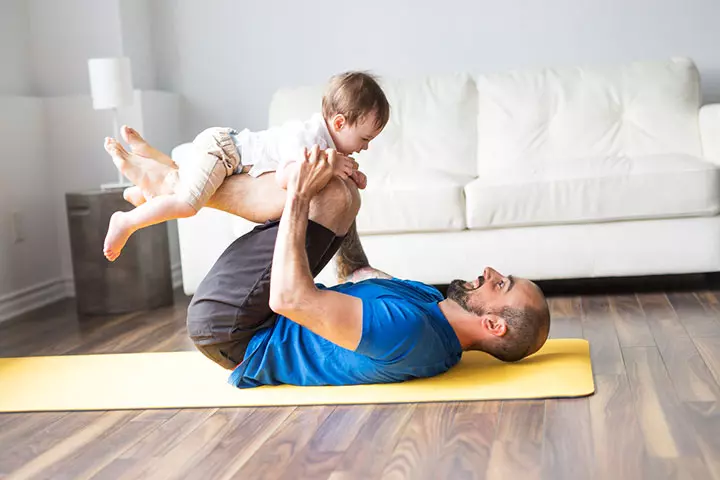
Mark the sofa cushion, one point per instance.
(432, 124)
(412, 202)
(594, 189)
(552, 115)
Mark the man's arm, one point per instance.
(352, 263)
(293, 294)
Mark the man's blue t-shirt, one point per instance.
(404, 336)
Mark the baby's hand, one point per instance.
(343, 166)
(359, 178)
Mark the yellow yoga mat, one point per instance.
(188, 379)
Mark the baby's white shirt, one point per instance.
(268, 149)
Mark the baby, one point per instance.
(354, 111)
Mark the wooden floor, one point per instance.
(655, 413)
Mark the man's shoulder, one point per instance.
(397, 288)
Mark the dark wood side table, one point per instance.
(139, 279)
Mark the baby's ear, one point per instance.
(339, 121)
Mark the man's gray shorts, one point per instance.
(233, 301)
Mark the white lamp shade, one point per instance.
(110, 82)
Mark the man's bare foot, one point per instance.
(134, 195)
(141, 147)
(117, 236)
(153, 178)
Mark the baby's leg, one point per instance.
(141, 147)
(153, 178)
(156, 210)
(134, 195)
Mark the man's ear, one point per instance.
(338, 122)
(494, 325)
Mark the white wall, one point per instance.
(26, 190)
(64, 35)
(14, 48)
(226, 58)
(51, 137)
(135, 24)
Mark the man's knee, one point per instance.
(336, 206)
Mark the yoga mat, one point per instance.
(188, 379)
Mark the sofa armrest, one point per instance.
(710, 131)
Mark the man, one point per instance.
(282, 328)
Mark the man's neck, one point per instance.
(461, 322)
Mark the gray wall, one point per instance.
(227, 57)
(14, 48)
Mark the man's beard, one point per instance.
(459, 293)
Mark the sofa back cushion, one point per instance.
(555, 115)
(432, 124)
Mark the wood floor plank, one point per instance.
(89, 459)
(20, 426)
(692, 379)
(568, 447)
(705, 420)
(565, 313)
(271, 460)
(617, 438)
(630, 323)
(132, 462)
(196, 445)
(467, 446)
(66, 452)
(444, 440)
(668, 436)
(599, 329)
(517, 449)
(369, 452)
(239, 444)
(709, 349)
(21, 449)
(696, 318)
(710, 300)
(323, 454)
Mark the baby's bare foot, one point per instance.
(141, 147)
(153, 178)
(117, 236)
(134, 195)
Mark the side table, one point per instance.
(139, 279)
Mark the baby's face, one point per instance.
(351, 139)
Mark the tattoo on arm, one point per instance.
(352, 263)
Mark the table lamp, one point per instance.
(111, 88)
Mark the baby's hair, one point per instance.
(356, 95)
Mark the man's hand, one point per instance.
(313, 172)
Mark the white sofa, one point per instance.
(548, 174)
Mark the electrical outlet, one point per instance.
(17, 227)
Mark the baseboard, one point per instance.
(30, 298)
(177, 280)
